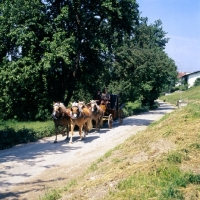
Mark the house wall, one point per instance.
(191, 78)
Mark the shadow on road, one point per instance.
(40, 185)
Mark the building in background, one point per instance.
(190, 78)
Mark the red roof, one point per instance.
(180, 74)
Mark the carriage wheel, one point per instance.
(121, 116)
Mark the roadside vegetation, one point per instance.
(13, 132)
(161, 162)
(190, 95)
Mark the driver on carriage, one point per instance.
(105, 98)
(97, 97)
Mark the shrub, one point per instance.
(13, 132)
(197, 82)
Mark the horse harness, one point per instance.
(79, 114)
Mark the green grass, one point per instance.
(162, 183)
(36, 126)
(132, 108)
(51, 194)
(14, 132)
(192, 94)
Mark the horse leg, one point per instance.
(80, 131)
(62, 131)
(100, 121)
(85, 129)
(88, 126)
(67, 131)
(55, 141)
(97, 124)
(72, 133)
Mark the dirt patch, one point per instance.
(161, 146)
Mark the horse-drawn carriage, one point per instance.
(82, 115)
(113, 110)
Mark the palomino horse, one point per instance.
(81, 116)
(97, 114)
(61, 118)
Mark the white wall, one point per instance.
(191, 78)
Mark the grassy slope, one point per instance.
(162, 162)
(191, 95)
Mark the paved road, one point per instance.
(22, 163)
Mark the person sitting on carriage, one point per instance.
(105, 98)
(97, 97)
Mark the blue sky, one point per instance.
(181, 20)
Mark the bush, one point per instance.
(174, 89)
(13, 132)
(134, 108)
(9, 137)
(197, 82)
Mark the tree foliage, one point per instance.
(197, 82)
(141, 66)
(62, 50)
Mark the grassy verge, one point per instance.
(133, 108)
(162, 162)
(14, 132)
(190, 95)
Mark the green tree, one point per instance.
(141, 68)
(23, 83)
(82, 42)
(52, 48)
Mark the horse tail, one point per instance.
(89, 124)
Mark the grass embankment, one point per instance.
(162, 162)
(191, 95)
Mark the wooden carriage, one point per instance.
(114, 111)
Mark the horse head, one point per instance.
(75, 110)
(56, 110)
(81, 104)
(94, 106)
(74, 104)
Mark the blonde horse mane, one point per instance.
(63, 110)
